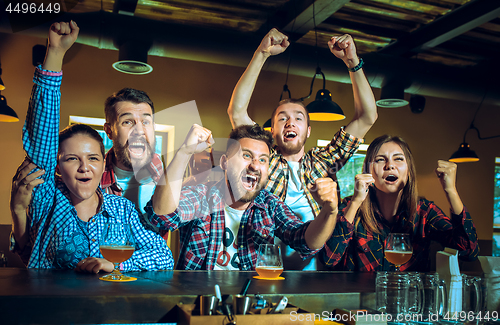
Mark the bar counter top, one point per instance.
(29, 296)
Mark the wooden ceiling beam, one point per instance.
(297, 18)
(455, 23)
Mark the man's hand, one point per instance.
(273, 43)
(343, 48)
(197, 140)
(446, 171)
(62, 35)
(94, 265)
(361, 186)
(324, 192)
(22, 186)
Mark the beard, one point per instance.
(239, 192)
(122, 154)
(289, 148)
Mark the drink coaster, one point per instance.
(264, 278)
(127, 279)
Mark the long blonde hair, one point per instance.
(409, 198)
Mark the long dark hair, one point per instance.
(409, 198)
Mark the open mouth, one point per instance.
(391, 178)
(84, 180)
(290, 135)
(249, 181)
(137, 149)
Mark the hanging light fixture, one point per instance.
(392, 94)
(7, 114)
(323, 108)
(133, 58)
(464, 152)
(267, 125)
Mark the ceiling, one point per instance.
(443, 48)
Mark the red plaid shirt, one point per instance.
(110, 186)
(201, 222)
(361, 250)
(316, 163)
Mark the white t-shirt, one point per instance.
(227, 257)
(135, 188)
(296, 199)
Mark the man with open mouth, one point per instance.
(132, 166)
(292, 170)
(222, 223)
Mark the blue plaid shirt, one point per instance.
(57, 237)
(200, 218)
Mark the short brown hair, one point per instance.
(254, 132)
(290, 101)
(125, 95)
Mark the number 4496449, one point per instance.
(33, 8)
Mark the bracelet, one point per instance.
(359, 66)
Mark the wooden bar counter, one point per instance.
(66, 297)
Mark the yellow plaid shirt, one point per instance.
(316, 163)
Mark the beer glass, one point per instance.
(269, 261)
(398, 249)
(117, 245)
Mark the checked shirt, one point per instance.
(316, 163)
(361, 250)
(200, 219)
(57, 237)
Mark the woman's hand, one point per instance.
(361, 187)
(94, 265)
(22, 186)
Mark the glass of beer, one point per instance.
(269, 261)
(398, 249)
(117, 245)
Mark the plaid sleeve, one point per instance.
(457, 232)
(333, 157)
(41, 136)
(290, 229)
(151, 251)
(336, 246)
(189, 208)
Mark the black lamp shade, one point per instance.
(7, 114)
(464, 154)
(2, 86)
(324, 109)
(267, 125)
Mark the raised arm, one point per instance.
(321, 228)
(447, 174)
(167, 194)
(365, 114)
(273, 43)
(20, 197)
(61, 38)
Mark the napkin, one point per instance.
(449, 271)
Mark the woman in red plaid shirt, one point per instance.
(385, 201)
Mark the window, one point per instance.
(496, 210)
(346, 174)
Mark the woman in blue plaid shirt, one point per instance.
(68, 211)
(385, 200)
